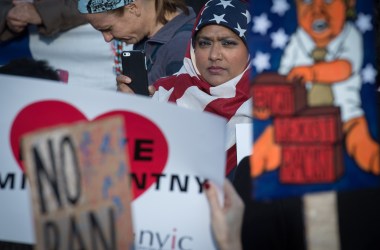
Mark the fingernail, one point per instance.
(206, 184)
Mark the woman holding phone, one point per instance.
(161, 28)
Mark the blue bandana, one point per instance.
(232, 14)
(98, 6)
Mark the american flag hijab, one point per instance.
(230, 99)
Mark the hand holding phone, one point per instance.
(134, 66)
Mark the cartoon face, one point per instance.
(323, 20)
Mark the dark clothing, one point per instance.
(196, 5)
(166, 49)
(279, 225)
(268, 225)
(359, 219)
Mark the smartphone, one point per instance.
(134, 66)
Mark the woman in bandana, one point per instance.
(215, 75)
(159, 27)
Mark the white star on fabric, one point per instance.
(261, 24)
(364, 22)
(247, 15)
(199, 23)
(261, 61)
(369, 74)
(219, 19)
(279, 39)
(280, 7)
(240, 30)
(225, 3)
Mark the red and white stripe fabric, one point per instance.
(230, 100)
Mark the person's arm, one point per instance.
(5, 32)
(226, 220)
(50, 16)
(21, 15)
(58, 16)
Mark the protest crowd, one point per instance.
(197, 57)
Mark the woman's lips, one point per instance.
(215, 70)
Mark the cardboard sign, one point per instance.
(172, 151)
(79, 185)
(316, 124)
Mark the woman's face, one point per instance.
(220, 54)
(126, 27)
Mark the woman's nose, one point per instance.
(215, 52)
(108, 37)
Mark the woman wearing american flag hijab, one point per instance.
(215, 74)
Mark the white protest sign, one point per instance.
(244, 140)
(172, 151)
(85, 66)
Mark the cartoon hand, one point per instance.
(361, 146)
(266, 155)
(261, 113)
(303, 73)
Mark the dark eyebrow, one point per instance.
(218, 38)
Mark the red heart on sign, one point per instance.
(147, 146)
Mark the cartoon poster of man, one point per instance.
(314, 94)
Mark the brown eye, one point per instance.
(229, 43)
(203, 43)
